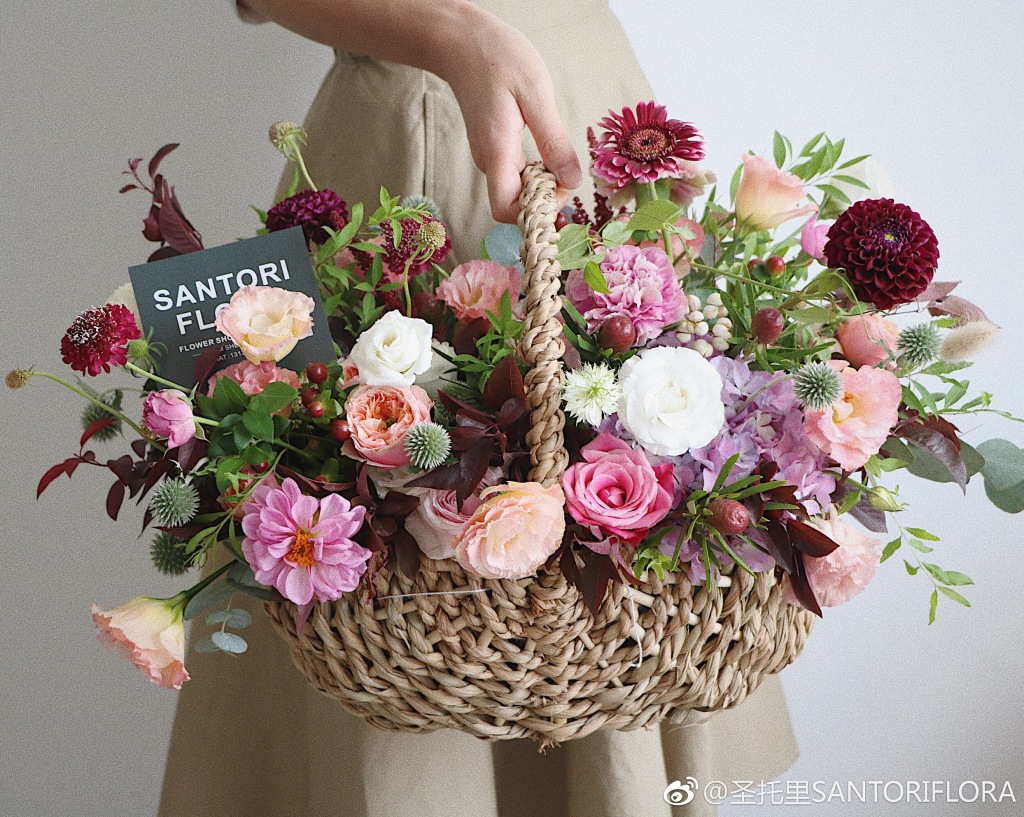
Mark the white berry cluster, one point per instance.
(707, 327)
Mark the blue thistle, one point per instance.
(816, 385)
(428, 445)
(174, 502)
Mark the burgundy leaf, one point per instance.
(397, 504)
(465, 437)
(944, 427)
(776, 538)
(407, 553)
(939, 446)
(191, 453)
(122, 468)
(505, 382)
(870, 517)
(803, 591)
(52, 474)
(473, 466)
(511, 410)
(445, 478)
(175, 228)
(162, 253)
(134, 163)
(466, 334)
(809, 540)
(155, 473)
(937, 290)
(598, 571)
(151, 225)
(205, 363)
(114, 499)
(94, 427)
(383, 526)
(957, 307)
(128, 187)
(158, 157)
(139, 447)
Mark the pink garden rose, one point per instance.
(266, 322)
(513, 532)
(616, 491)
(767, 196)
(868, 339)
(151, 634)
(843, 573)
(642, 286)
(168, 413)
(813, 237)
(301, 545)
(476, 287)
(437, 522)
(379, 418)
(856, 426)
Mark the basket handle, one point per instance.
(542, 347)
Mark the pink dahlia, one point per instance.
(98, 339)
(301, 545)
(888, 251)
(641, 286)
(312, 210)
(643, 145)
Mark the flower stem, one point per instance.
(743, 279)
(109, 409)
(198, 588)
(149, 375)
(302, 168)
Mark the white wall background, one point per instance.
(931, 88)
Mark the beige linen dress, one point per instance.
(251, 737)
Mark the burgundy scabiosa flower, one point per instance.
(643, 145)
(98, 339)
(422, 243)
(312, 210)
(888, 251)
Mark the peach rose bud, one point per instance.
(868, 340)
(266, 322)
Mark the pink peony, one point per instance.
(151, 634)
(856, 426)
(379, 418)
(767, 196)
(437, 522)
(255, 377)
(266, 322)
(842, 574)
(301, 545)
(168, 413)
(513, 532)
(813, 237)
(642, 286)
(868, 339)
(616, 491)
(476, 287)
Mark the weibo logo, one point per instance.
(678, 793)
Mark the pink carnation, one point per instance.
(641, 286)
(868, 339)
(301, 545)
(847, 570)
(168, 413)
(856, 426)
(513, 532)
(616, 491)
(151, 634)
(379, 418)
(476, 287)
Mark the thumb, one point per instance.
(556, 150)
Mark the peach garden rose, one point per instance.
(266, 322)
(379, 418)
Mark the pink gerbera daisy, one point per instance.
(643, 145)
(99, 339)
(301, 545)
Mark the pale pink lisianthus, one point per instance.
(813, 237)
(380, 418)
(857, 425)
(513, 531)
(868, 339)
(615, 491)
(168, 413)
(847, 570)
(475, 288)
(642, 286)
(767, 196)
(255, 377)
(301, 545)
(266, 322)
(151, 634)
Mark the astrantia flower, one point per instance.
(312, 210)
(643, 145)
(301, 545)
(151, 634)
(888, 251)
(98, 339)
(591, 393)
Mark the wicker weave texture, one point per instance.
(507, 659)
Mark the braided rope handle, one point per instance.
(542, 347)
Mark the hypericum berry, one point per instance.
(308, 396)
(617, 334)
(339, 430)
(767, 324)
(753, 264)
(728, 516)
(775, 265)
(261, 468)
(817, 386)
(561, 220)
(174, 502)
(315, 410)
(316, 372)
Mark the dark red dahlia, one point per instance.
(98, 339)
(643, 145)
(888, 251)
(312, 210)
(422, 243)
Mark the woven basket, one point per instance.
(526, 658)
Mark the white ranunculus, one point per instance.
(393, 351)
(870, 171)
(671, 400)
(441, 372)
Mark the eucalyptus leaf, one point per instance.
(210, 597)
(926, 466)
(1004, 464)
(205, 645)
(502, 245)
(229, 642)
(234, 617)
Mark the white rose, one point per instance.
(671, 400)
(441, 371)
(870, 171)
(393, 351)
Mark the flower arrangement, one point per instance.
(735, 394)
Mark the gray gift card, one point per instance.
(178, 298)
